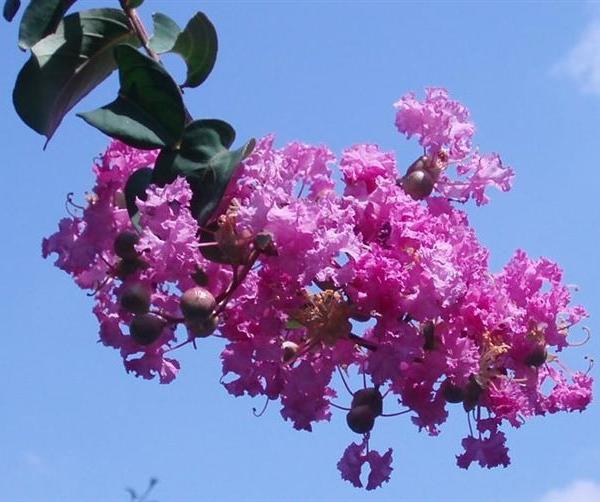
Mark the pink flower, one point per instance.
(356, 455)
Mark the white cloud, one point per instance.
(577, 491)
(582, 62)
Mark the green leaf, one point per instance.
(165, 35)
(209, 185)
(133, 4)
(126, 122)
(65, 66)
(223, 129)
(11, 7)
(41, 18)
(149, 111)
(135, 188)
(201, 141)
(293, 324)
(197, 44)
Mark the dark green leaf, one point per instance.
(125, 121)
(41, 18)
(149, 99)
(65, 66)
(223, 129)
(135, 188)
(196, 44)
(201, 141)
(133, 4)
(209, 185)
(11, 7)
(165, 35)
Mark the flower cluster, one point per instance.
(308, 284)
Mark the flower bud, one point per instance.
(473, 392)
(124, 245)
(146, 328)
(361, 419)
(536, 357)
(135, 298)
(264, 243)
(370, 397)
(452, 393)
(290, 349)
(197, 304)
(202, 328)
(421, 164)
(418, 184)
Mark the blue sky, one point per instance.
(76, 427)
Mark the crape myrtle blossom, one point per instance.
(289, 268)
(443, 127)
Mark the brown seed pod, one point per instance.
(370, 397)
(421, 164)
(135, 298)
(146, 328)
(473, 391)
(418, 184)
(289, 349)
(428, 331)
(202, 328)
(127, 267)
(452, 393)
(264, 243)
(536, 357)
(197, 304)
(361, 419)
(124, 245)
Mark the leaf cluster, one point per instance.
(71, 54)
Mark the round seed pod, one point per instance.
(472, 394)
(135, 298)
(361, 419)
(370, 397)
(536, 357)
(197, 304)
(421, 164)
(127, 267)
(124, 245)
(146, 328)
(452, 393)
(290, 349)
(202, 328)
(418, 184)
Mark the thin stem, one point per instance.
(237, 280)
(331, 403)
(395, 414)
(261, 413)
(344, 380)
(139, 29)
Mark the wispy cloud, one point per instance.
(577, 491)
(582, 62)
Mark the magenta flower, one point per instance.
(292, 264)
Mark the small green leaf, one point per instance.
(165, 35)
(11, 7)
(135, 188)
(197, 44)
(41, 18)
(293, 324)
(148, 99)
(65, 66)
